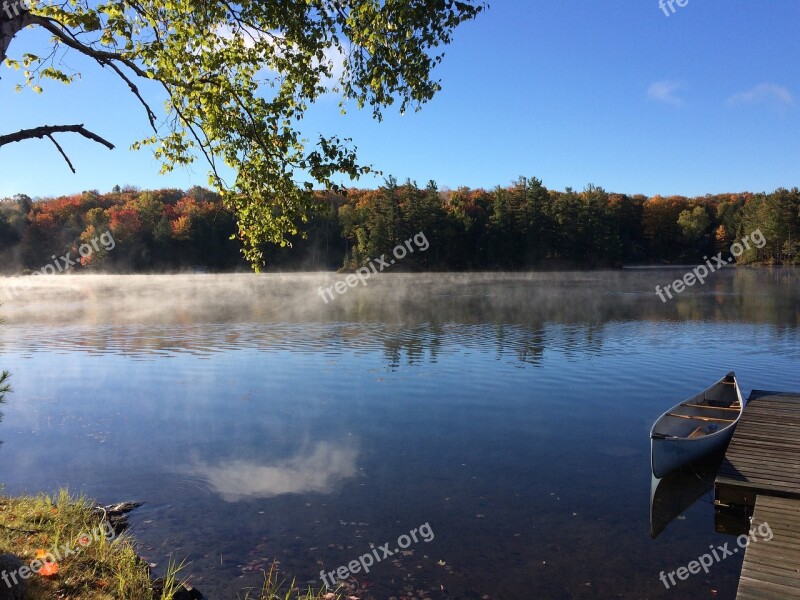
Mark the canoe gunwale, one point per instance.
(666, 414)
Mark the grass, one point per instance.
(100, 568)
(275, 589)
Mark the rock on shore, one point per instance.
(9, 563)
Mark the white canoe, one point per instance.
(696, 427)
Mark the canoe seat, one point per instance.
(698, 432)
(698, 418)
(710, 406)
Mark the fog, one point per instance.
(565, 297)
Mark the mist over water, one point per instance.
(174, 303)
(510, 411)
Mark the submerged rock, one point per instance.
(12, 586)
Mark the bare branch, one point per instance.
(151, 116)
(60, 149)
(48, 130)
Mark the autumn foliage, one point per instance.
(520, 226)
(154, 231)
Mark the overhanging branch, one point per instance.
(104, 58)
(47, 131)
(67, 38)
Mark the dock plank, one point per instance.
(763, 457)
(771, 568)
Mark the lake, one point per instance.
(508, 412)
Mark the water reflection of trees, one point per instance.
(409, 318)
(525, 343)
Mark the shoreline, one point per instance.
(266, 272)
(94, 557)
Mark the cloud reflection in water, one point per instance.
(319, 468)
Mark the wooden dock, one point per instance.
(763, 457)
(760, 476)
(771, 569)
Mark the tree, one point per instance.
(694, 225)
(238, 79)
(660, 226)
(502, 231)
(534, 221)
(776, 217)
(422, 212)
(722, 239)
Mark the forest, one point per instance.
(521, 226)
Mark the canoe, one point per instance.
(696, 427)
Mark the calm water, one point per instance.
(510, 412)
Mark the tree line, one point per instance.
(520, 226)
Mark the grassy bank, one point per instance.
(83, 561)
(75, 555)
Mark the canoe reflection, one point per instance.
(672, 495)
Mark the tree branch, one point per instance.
(66, 37)
(47, 131)
(151, 116)
(9, 27)
(61, 150)
(104, 58)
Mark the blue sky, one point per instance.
(609, 92)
